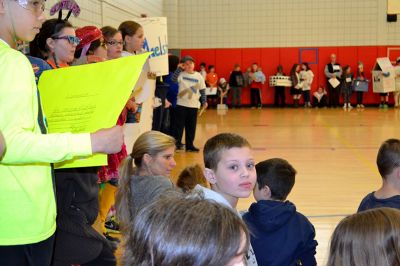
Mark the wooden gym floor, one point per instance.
(333, 151)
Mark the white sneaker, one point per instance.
(345, 106)
(358, 106)
(349, 106)
(362, 106)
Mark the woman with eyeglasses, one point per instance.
(55, 43)
(76, 242)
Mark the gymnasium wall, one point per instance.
(111, 12)
(270, 58)
(279, 23)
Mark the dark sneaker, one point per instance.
(192, 149)
(180, 147)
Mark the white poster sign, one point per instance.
(156, 42)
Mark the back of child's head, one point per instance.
(190, 177)
(388, 157)
(192, 231)
(173, 62)
(367, 238)
(211, 67)
(278, 174)
(216, 145)
(50, 28)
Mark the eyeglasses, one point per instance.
(71, 39)
(36, 6)
(115, 43)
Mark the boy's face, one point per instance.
(189, 66)
(235, 175)
(25, 18)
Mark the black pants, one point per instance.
(159, 112)
(185, 118)
(360, 97)
(158, 118)
(280, 97)
(105, 258)
(334, 94)
(37, 254)
(321, 103)
(255, 95)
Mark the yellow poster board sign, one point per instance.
(87, 98)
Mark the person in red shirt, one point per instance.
(212, 83)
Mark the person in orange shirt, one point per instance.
(212, 83)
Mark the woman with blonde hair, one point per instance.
(144, 175)
(368, 238)
(186, 231)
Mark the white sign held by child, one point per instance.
(156, 42)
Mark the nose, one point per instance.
(244, 173)
(42, 17)
(173, 163)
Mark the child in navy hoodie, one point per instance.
(279, 234)
(388, 162)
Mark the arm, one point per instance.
(176, 74)
(203, 96)
(307, 257)
(327, 73)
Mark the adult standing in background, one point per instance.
(333, 70)
(236, 82)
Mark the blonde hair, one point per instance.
(190, 177)
(367, 238)
(151, 143)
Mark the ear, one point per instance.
(210, 176)
(50, 43)
(266, 192)
(147, 159)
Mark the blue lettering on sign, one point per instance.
(159, 50)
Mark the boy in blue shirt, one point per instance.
(279, 234)
(388, 161)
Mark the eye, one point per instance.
(35, 4)
(250, 166)
(233, 167)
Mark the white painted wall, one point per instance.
(112, 12)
